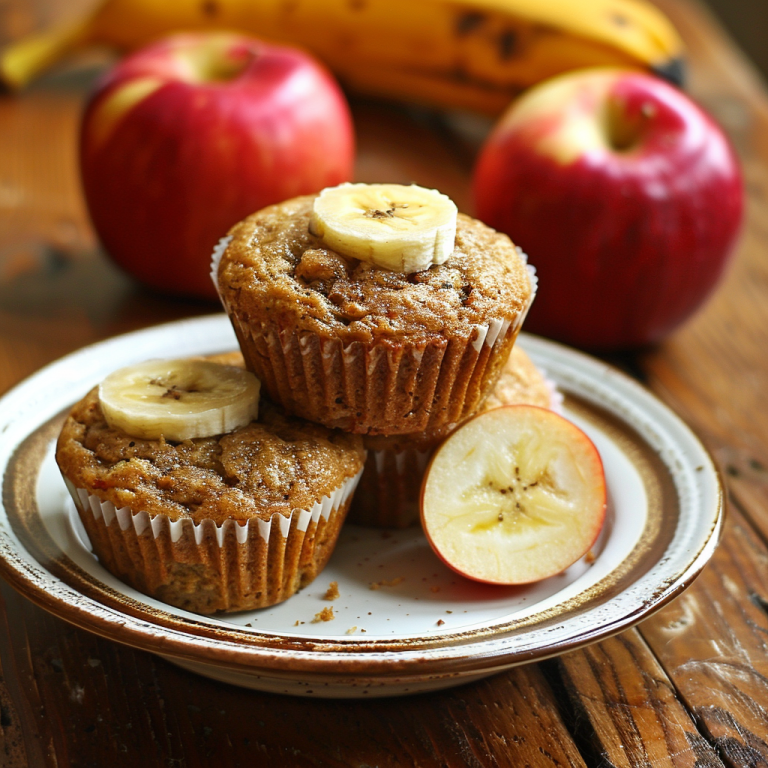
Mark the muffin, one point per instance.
(343, 342)
(388, 494)
(225, 522)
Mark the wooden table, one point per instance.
(687, 687)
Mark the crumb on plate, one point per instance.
(385, 583)
(325, 615)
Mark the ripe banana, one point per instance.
(179, 399)
(402, 228)
(476, 55)
(514, 495)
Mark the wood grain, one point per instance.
(688, 688)
(634, 714)
(97, 703)
(713, 644)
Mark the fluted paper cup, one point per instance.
(207, 567)
(381, 387)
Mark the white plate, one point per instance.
(424, 627)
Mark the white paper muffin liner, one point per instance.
(204, 566)
(218, 252)
(389, 490)
(377, 388)
(556, 399)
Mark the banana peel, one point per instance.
(475, 54)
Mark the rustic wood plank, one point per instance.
(13, 753)
(635, 717)
(747, 478)
(98, 703)
(21, 743)
(85, 701)
(713, 644)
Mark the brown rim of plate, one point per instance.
(97, 608)
(249, 650)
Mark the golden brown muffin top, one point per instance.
(274, 267)
(274, 464)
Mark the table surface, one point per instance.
(687, 687)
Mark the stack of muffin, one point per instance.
(351, 356)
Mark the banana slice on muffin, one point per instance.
(179, 399)
(398, 227)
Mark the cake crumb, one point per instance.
(351, 631)
(385, 583)
(440, 622)
(590, 557)
(333, 591)
(325, 615)
(434, 588)
(297, 623)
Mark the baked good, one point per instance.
(343, 342)
(225, 522)
(388, 494)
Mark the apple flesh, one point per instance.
(515, 495)
(188, 136)
(626, 196)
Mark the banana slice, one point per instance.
(515, 495)
(402, 228)
(179, 399)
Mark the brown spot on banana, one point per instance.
(507, 44)
(469, 22)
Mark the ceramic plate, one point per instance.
(403, 622)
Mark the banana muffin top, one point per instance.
(274, 464)
(275, 267)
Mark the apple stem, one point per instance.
(23, 60)
(622, 133)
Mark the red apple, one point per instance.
(188, 136)
(515, 495)
(626, 196)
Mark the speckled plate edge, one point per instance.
(434, 661)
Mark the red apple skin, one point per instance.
(627, 242)
(166, 176)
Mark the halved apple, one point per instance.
(515, 495)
